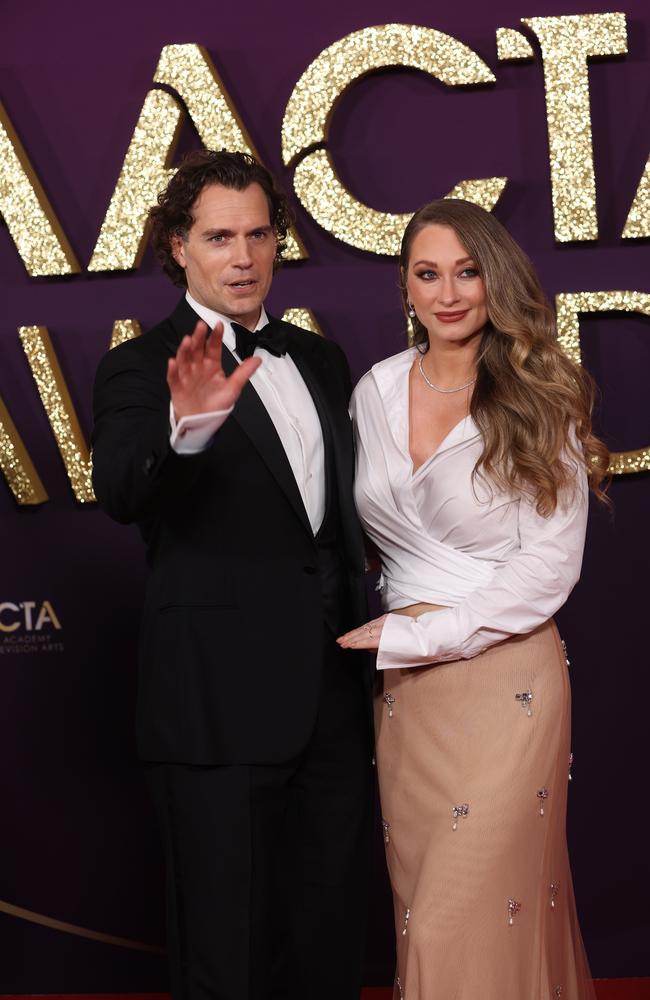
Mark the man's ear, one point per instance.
(177, 245)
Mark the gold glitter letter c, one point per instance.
(311, 105)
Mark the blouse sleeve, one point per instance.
(521, 595)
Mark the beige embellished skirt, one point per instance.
(473, 762)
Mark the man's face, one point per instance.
(229, 252)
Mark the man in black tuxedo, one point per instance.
(225, 435)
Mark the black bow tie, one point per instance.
(272, 337)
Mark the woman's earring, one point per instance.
(411, 310)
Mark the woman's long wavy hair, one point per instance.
(528, 393)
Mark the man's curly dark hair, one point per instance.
(172, 216)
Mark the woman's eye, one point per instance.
(469, 272)
(426, 275)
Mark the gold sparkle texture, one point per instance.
(312, 102)
(330, 203)
(569, 306)
(145, 172)
(59, 408)
(123, 330)
(512, 46)
(567, 43)
(310, 108)
(30, 219)
(16, 465)
(189, 70)
(637, 224)
(304, 318)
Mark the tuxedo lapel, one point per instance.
(252, 416)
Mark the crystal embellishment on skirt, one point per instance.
(570, 766)
(513, 907)
(406, 921)
(386, 826)
(555, 888)
(462, 810)
(566, 655)
(542, 795)
(400, 988)
(558, 991)
(390, 701)
(524, 699)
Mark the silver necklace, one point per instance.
(437, 387)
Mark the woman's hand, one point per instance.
(365, 637)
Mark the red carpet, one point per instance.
(606, 989)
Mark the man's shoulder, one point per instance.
(153, 347)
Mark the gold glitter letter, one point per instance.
(144, 174)
(22, 477)
(304, 318)
(124, 329)
(569, 307)
(638, 220)
(59, 408)
(34, 227)
(311, 106)
(189, 70)
(512, 46)
(567, 43)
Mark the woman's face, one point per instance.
(444, 286)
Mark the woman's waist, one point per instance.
(421, 608)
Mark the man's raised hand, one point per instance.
(196, 380)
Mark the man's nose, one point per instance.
(242, 253)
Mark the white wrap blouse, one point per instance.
(495, 564)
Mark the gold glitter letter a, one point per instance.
(59, 408)
(311, 105)
(23, 479)
(566, 44)
(189, 71)
(144, 173)
(34, 227)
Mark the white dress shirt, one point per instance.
(288, 403)
(489, 558)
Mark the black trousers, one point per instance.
(267, 865)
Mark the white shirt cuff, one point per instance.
(192, 434)
(413, 642)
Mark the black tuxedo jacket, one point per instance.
(232, 631)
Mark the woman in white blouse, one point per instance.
(474, 460)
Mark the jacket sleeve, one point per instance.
(135, 470)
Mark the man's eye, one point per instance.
(258, 236)
(217, 238)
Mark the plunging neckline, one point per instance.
(415, 473)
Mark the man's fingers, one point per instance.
(242, 373)
(172, 373)
(197, 343)
(213, 345)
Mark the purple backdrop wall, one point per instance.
(78, 843)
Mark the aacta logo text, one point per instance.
(30, 616)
